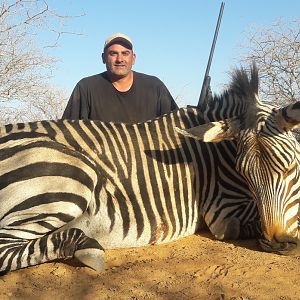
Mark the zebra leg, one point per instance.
(16, 253)
(228, 229)
(233, 228)
(251, 230)
(232, 219)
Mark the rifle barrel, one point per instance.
(206, 79)
(215, 39)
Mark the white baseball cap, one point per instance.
(118, 37)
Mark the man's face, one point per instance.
(118, 60)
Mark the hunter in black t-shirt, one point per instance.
(96, 98)
(119, 94)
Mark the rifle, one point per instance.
(206, 80)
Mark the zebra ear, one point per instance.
(213, 131)
(288, 117)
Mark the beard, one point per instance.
(119, 70)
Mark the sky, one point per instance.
(172, 38)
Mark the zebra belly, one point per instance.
(99, 227)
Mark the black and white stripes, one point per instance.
(123, 185)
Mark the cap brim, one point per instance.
(121, 41)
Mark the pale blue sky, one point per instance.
(172, 39)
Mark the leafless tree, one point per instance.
(25, 66)
(49, 104)
(276, 51)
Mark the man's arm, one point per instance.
(167, 103)
(77, 107)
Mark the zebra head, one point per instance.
(268, 157)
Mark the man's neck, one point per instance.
(122, 84)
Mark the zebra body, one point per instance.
(74, 188)
(159, 193)
(122, 185)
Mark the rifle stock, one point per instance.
(207, 78)
(204, 89)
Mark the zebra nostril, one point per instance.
(282, 244)
(284, 238)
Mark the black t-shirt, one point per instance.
(95, 98)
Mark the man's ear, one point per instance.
(103, 58)
(134, 57)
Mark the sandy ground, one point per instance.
(196, 267)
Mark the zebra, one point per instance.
(71, 189)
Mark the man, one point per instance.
(119, 94)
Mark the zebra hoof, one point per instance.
(93, 258)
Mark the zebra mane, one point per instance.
(239, 99)
(242, 90)
(245, 86)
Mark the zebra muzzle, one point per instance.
(283, 244)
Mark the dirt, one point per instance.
(196, 267)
